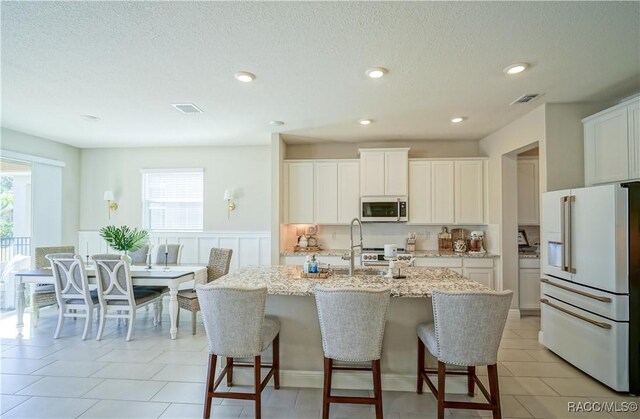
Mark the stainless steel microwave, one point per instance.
(384, 209)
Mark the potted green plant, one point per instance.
(124, 239)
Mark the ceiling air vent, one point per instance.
(186, 108)
(526, 98)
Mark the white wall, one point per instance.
(36, 146)
(244, 169)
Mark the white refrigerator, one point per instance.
(590, 285)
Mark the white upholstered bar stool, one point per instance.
(71, 287)
(352, 324)
(466, 331)
(237, 327)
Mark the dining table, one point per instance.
(171, 277)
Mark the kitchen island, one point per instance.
(290, 298)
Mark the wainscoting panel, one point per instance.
(249, 248)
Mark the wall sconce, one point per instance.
(112, 206)
(228, 196)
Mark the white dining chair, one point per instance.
(71, 287)
(117, 296)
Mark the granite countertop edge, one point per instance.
(417, 253)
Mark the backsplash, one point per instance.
(533, 234)
(377, 235)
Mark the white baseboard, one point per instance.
(350, 380)
(514, 314)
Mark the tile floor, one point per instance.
(154, 377)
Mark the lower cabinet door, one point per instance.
(529, 280)
(482, 275)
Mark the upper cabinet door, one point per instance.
(372, 173)
(634, 139)
(442, 211)
(300, 193)
(326, 192)
(396, 172)
(420, 192)
(469, 192)
(607, 147)
(348, 191)
(528, 193)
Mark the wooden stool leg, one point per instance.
(276, 361)
(208, 389)
(326, 391)
(420, 366)
(377, 387)
(229, 372)
(258, 393)
(471, 382)
(441, 391)
(494, 390)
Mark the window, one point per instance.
(172, 199)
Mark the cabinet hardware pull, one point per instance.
(584, 294)
(577, 316)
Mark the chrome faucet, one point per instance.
(351, 256)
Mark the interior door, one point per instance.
(553, 237)
(599, 236)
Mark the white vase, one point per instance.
(303, 243)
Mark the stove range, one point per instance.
(374, 256)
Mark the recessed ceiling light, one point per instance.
(187, 108)
(90, 118)
(515, 68)
(276, 123)
(376, 72)
(457, 119)
(365, 122)
(245, 76)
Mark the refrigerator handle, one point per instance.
(570, 267)
(563, 235)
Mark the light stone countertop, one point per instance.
(417, 253)
(285, 280)
(528, 256)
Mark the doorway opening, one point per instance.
(15, 227)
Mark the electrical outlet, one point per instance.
(333, 235)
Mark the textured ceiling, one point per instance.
(126, 62)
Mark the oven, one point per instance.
(384, 209)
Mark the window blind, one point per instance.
(173, 200)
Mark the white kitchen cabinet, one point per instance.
(396, 172)
(348, 191)
(612, 144)
(384, 172)
(420, 192)
(483, 276)
(479, 270)
(442, 192)
(634, 139)
(469, 192)
(326, 192)
(372, 173)
(300, 191)
(529, 284)
(528, 192)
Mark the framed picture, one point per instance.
(522, 238)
